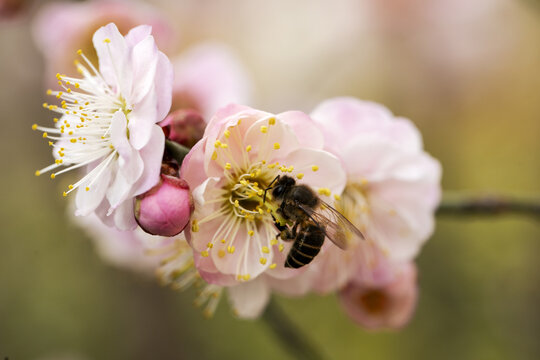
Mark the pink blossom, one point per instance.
(232, 231)
(108, 123)
(393, 188)
(207, 77)
(388, 306)
(61, 28)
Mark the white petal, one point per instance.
(141, 119)
(113, 54)
(124, 217)
(88, 201)
(249, 299)
(144, 61)
(151, 156)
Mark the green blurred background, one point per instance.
(466, 72)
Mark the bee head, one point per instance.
(283, 185)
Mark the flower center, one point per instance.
(81, 135)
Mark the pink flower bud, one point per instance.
(184, 126)
(166, 208)
(387, 306)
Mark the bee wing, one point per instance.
(337, 227)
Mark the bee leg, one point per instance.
(269, 187)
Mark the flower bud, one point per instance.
(166, 208)
(388, 306)
(184, 126)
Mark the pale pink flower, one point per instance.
(382, 306)
(131, 249)
(108, 123)
(209, 76)
(392, 191)
(61, 28)
(232, 231)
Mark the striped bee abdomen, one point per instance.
(306, 246)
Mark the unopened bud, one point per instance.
(166, 208)
(388, 306)
(184, 126)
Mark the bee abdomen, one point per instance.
(307, 245)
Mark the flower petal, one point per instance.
(248, 300)
(151, 155)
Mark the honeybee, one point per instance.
(312, 221)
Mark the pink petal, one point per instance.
(163, 87)
(249, 300)
(305, 129)
(142, 119)
(144, 62)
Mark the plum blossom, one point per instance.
(61, 28)
(209, 76)
(107, 123)
(392, 191)
(232, 229)
(387, 305)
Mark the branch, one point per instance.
(456, 204)
(288, 334)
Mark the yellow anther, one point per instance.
(70, 133)
(64, 194)
(44, 135)
(51, 143)
(79, 52)
(204, 253)
(244, 182)
(265, 250)
(37, 173)
(272, 121)
(214, 155)
(55, 120)
(87, 188)
(276, 146)
(262, 260)
(58, 76)
(227, 133)
(246, 277)
(217, 144)
(53, 176)
(363, 181)
(236, 203)
(251, 232)
(68, 90)
(271, 166)
(264, 129)
(230, 249)
(273, 266)
(224, 146)
(49, 92)
(248, 148)
(261, 211)
(77, 85)
(314, 168)
(221, 253)
(70, 187)
(223, 241)
(325, 191)
(281, 247)
(194, 226)
(34, 127)
(45, 105)
(228, 166)
(337, 197)
(273, 242)
(300, 176)
(58, 161)
(107, 41)
(73, 140)
(210, 245)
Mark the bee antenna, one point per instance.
(269, 187)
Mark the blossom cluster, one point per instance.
(179, 179)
